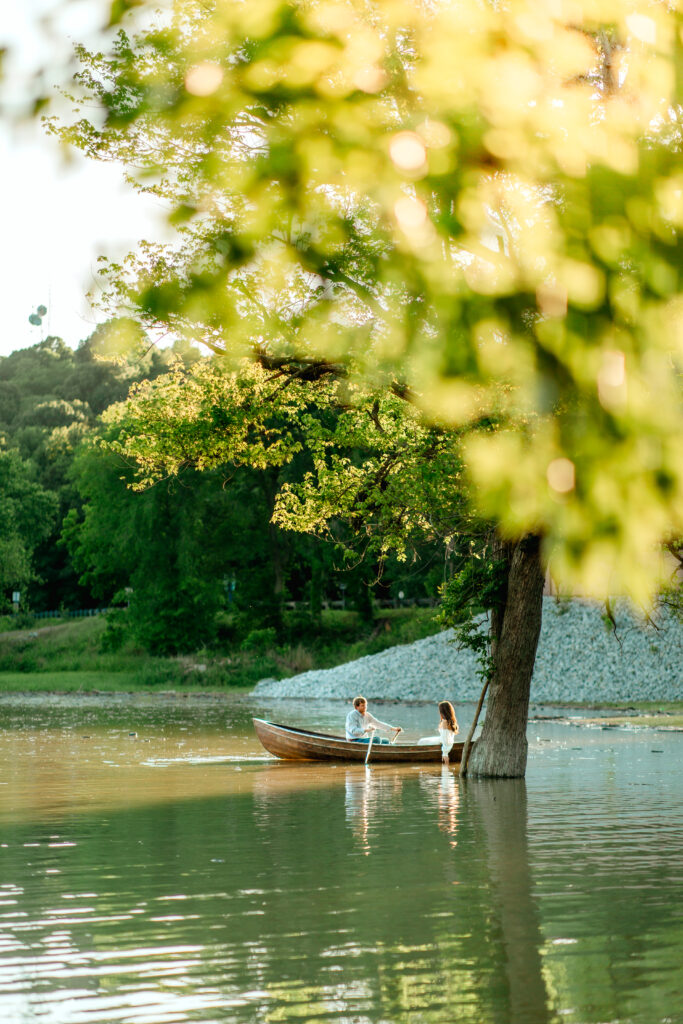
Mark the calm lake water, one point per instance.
(179, 874)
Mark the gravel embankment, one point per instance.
(578, 660)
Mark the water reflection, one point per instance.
(357, 801)
(446, 793)
(369, 795)
(500, 808)
(200, 884)
(374, 803)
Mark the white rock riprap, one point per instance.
(578, 660)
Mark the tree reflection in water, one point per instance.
(500, 809)
(496, 928)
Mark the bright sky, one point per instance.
(56, 218)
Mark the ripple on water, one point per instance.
(222, 887)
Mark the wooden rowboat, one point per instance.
(304, 745)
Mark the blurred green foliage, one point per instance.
(482, 202)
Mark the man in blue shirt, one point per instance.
(360, 724)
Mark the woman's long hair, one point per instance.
(447, 712)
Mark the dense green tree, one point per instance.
(27, 513)
(221, 524)
(155, 552)
(358, 469)
(10, 401)
(270, 566)
(50, 398)
(178, 551)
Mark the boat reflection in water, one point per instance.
(369, 794)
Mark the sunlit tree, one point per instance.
(475, 207)
(27, 513)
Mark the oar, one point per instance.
(468, 742)
(372, 736)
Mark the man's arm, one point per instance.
(379, 725)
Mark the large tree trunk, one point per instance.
(501, 750)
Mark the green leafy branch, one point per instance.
(477, 589)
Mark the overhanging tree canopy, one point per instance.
(482, 200)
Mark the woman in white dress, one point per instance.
(448, 729)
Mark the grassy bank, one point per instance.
(71, 654)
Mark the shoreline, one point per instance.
(579, 661)
(665, 716)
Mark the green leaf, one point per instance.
(119, 8)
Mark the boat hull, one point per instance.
(303, 745)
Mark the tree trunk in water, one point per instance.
(501, 750)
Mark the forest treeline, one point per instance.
(191, 561)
